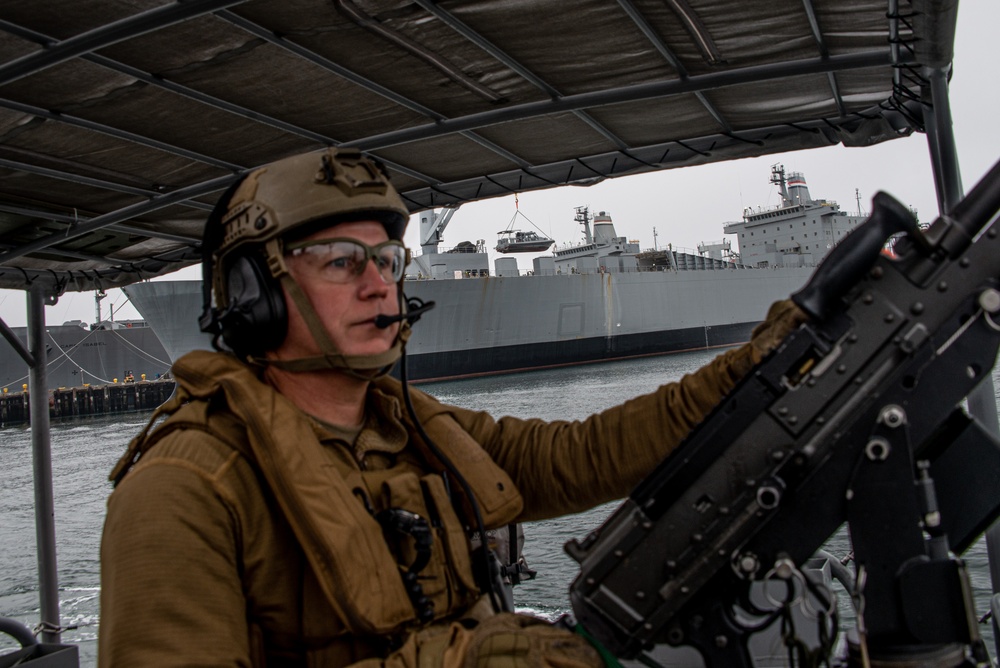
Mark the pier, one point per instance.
(86, 401)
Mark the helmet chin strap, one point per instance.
(364, 367)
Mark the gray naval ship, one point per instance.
(102, 353)
(603, 299)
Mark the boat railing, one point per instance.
(465, 273)
(670, 248)
(757, 210)
(51, 655)
(682, 249)
(469, 247)
(727, 265)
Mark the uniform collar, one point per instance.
(382, 431)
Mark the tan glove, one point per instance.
(782, 318)
(505, 640)
(520, 641)
(696, 394)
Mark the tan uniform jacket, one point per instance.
(205, 561)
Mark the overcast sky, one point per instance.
(688, 206)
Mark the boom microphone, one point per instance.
(415, 307)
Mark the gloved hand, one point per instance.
(782, 318)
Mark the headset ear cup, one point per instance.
(256, 318)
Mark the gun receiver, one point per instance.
(854, 418)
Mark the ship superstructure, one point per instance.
(465, 260)
(796, 233)
(601, 250)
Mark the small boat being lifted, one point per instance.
(518, 241)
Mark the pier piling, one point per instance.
(89, 400)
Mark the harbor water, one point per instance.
(85, 449)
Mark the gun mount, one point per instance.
(856, 417)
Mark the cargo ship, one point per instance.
(600, 300)
(101, 353)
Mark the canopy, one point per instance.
(122, 122)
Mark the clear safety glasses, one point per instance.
(342, 260)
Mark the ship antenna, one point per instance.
(583, 217)
(778, 179)
(98, 296)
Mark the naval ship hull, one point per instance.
(503, 324)
(78, 356)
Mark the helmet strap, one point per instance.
(364, 367)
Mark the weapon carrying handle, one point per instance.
(851, 258)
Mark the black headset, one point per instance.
(255, 319)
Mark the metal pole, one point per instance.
(941, 138)
(45, 530)
(934, 146)
(948, 179)
(15, 343)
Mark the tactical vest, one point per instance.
(360, 574)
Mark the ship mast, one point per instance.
(98, 296)
(778, 179)
(583, 217)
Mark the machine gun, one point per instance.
(856, 417)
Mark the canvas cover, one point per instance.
(122, 121)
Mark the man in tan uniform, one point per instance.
(291, 510)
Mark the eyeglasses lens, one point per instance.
(341, 261)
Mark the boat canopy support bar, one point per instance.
(948, 183)
(16, 344)
(941, 141)
(41, 447)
